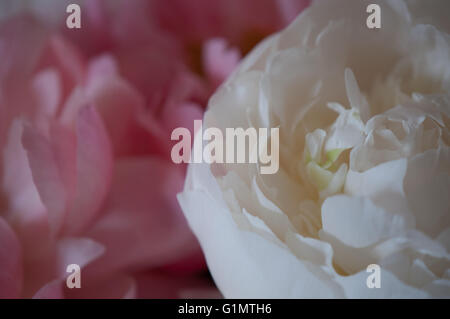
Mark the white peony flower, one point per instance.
(364, 174)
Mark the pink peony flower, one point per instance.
(85, 122)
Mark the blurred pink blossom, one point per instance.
(85, 122)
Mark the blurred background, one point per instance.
(85, 121)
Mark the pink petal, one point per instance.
(11, 272)
(143, 225)
(101, 68)
(191, 21)
(52, 290)
(118, 103)
(193, 263)
(289, 9)
(185, 87)
(46, 175)
(219, 60)
(94, 168)
(47, 91)
(64, 56)
(184, 116)
(79, 251)
(64, 146)
(25, 211)
(94, 36)
(151, 70)
(21, 44)
(159, 285)
(235, 20)
(17, 180)
(155, 137)
(115, 286)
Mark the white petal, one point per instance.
(357, 100)
(310, 249)
(383, 184)
(419, 274)
(357, 222)
(336, 183)
(427, 184)
(244, 264)
(439, 288)
(444, 239)
(314, 144)
(355, 286)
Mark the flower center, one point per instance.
(325, 170)
(324, 165)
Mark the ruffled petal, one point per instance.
(251, 260)
(427, 182)
(357, 222)
(47, 177)
(94, 170)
